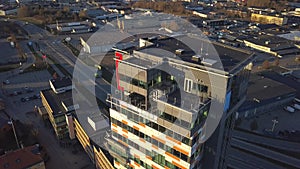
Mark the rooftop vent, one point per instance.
(196, 58)
(179, 51)
(267, 42)
(209, 62)
(257, 100)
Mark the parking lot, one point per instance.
(22, 91)
(287, 124)
(8, 54)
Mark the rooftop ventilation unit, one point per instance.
(179, 51)
(209, 62)
(197, 58)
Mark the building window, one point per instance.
(170, 165)
(186, 141)
(177, 136)
(185, 124)
(169, 133)
(155, 142)
(188, 85)
(161, 129)
(161, 145)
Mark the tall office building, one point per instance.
(165, 92)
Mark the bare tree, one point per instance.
(23, 11)
(276, 62)
(66, 9)
(266, 64)
(82, 14)
(75, 17)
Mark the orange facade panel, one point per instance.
(117, 163)
(178, 165)
(159, 139)
(125, 131)
(131, 165)
(137, 164)
(125, 122)
(142, 140)
(172, 139)
(153, 166)
(155, 147)
(172, 156)
(142, 124)
(120, 141)
(114, 130)
(113, 124)
(124, 135)
(136, 156)
(135, 127)
(180, 150)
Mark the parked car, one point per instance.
(28, 90)
(15, 93)
(289, 109)
(25, 99)
(6, 82)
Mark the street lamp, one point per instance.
(11, 122)
(274, 124)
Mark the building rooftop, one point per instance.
(263, 90)
(274, 42)
(22, 158)
(55, 100)
(287, 80)
(91, 113)
(212, 54)
(61, 82)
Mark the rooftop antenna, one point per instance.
(119, 23)
(201, 51)
(206, 54)
(56, 24)
(123, 27)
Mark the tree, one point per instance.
(23, 11)
(66, 9)
(253, 125)
(173, 26)
(75, 17)
(41, 12)
(266, 64)
(58, 14)
(13, 38)
(276, 62)
(297, 59)
(82, 14)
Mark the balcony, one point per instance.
(117, 150)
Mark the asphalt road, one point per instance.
(52, 45)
